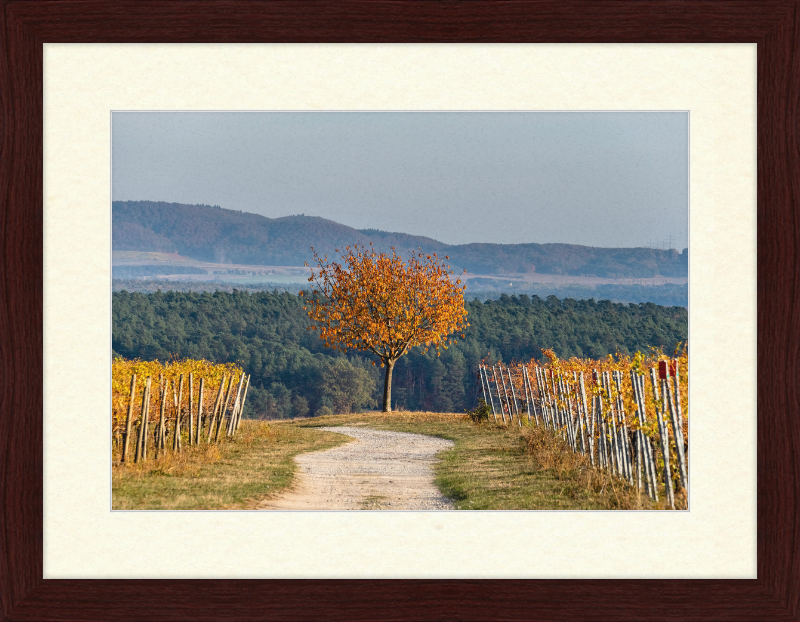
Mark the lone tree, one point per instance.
(378, 303)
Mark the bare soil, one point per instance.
(380, 470)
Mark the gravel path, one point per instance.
(379, 471)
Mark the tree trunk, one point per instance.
(387, 387)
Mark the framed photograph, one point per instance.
(440, 236)
(41, 476)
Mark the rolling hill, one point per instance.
(213, 234)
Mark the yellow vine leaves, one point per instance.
(554, 368)
(162, 374)
(376, 302)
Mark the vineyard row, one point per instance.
(640, 436)
(173, 412)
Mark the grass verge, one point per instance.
(494, 467)
(233, 474)
(491, 467)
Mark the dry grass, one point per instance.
(234, 474)
(550, 453)
(491, 467)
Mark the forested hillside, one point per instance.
(211, 233)
(293, 374)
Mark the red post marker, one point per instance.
(673, 367)
(662, 370)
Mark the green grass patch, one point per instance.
(490, 467)
(497, 467)
(237, 473)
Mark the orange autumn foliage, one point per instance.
(378, 303)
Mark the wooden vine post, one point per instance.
(499, 395)
(529, 405)
(606, 454)
(176, 439)
(651, 459)
(160, 439)
(505, 395)
(200, 411)
(489, 393)
(138, 452)
(551, 404)
(213, 421)
(575, 397)
(241, 406)
(223, 411)
(544, 391)
(141, 444)
(191, 409)
(128, 421)
(589, 429)
(546, 416)
(662, 430)
(626, 441)
(483, 385)
(611, 449)
(513, 396)
(553, 394)
(235, 409)
(676, 428)
(640, 451)
(677, 388)
(563, 388)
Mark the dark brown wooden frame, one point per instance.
(773, 24)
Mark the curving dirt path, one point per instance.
(379, 471)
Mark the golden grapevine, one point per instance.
(162, 374)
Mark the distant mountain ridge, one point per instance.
(211, 233)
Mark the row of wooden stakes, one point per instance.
(560, 402)
(214, 420)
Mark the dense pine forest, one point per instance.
(668, 295)
(293, 374)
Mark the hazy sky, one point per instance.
(593, 178)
